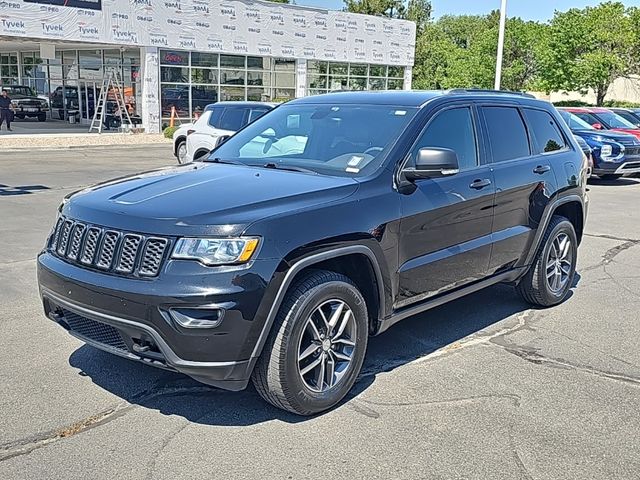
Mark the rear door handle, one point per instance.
(480, 183)
(540, 169)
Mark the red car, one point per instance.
(604, 119)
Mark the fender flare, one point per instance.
(544, 223)
(307, 262)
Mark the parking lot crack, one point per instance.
(26, 446)
(511, 397)
(611, 254)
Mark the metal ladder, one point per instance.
(111, 83)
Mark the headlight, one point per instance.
(606, 150)
(216, 251)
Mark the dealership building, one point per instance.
(184, 54)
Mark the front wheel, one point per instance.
(316, 346)
(42, 117)
(550, 278)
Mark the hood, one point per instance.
(203, 198)
(615, 136)
(633, 131)
(17, 96)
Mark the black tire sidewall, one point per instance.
(550, 297)
(305, 398)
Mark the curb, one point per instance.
(76, 147)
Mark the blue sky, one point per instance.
(526, 9)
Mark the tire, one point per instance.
(61, 114)
(278, 375)
(610, 176)
(536, 287)
(42, 117)
(181, 151)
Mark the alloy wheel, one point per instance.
(327, 345)
(559, 263)
(182, 152)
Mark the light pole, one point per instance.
(503, 21)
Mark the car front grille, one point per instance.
(108, 250)
(632, 151)
(95, 331)
(629, 166)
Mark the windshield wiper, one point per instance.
(290, 168)
(224, 160)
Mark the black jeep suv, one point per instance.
(325, 221)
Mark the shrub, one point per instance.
(572, 103)
(621, 104)
(169, 131)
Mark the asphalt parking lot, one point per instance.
(481, 388)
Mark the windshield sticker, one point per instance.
(400, 113)
(352, 170)
(355, 161)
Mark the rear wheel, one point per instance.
(550, 278)
(181, 152)
(316, 347)
(42, 117)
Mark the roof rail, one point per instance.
(459, 91)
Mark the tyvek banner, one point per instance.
(229, 26)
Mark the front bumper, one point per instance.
(627, 167)
(131, 317)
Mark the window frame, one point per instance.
(567, 143)
(476, 129)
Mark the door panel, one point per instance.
(445, 235)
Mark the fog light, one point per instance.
(197, 317)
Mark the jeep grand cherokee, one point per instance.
(276, 268)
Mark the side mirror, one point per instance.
(222, 139)
(433, 163)
(597, 126)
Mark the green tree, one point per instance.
(386, 8)
(590, 48)
(419, 11)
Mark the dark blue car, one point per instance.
(614, 154)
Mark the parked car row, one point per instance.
(613, 139)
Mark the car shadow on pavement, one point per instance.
(176, 394)
(618, 182)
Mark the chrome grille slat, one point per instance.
(109, 250)
(128, 253)
(63, 240)
(76, 241)
(152, 256)
(90, 244)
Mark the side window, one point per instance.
(547, 136)
(233, 119)
(507, 133)
(452, 129)
(587, 117)
(257, 113)
(216, 114)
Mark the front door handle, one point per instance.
(540, 169)
(480, 183)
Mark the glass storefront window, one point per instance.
(338, 83)
(232, 77)
(395, 72)
(339, 68)
(258, 78)
(283, 94)
(199, 59)
(258, 63)
(203, 75)
(284, 65)
(287, 80)
(174, 57)
(358, 70)
(203, 95)
(377, 71)
(255, 94)
(174, 74)
(315, 66)
(232, 61)
(377, 84)
(395, 84)
(356, 83)
(317, 81)
(173, 95)
(232, 93)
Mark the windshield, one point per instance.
(344, 140)
(574, 122)
(17, 90)
(614, 120)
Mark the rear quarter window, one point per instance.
(547, 136)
